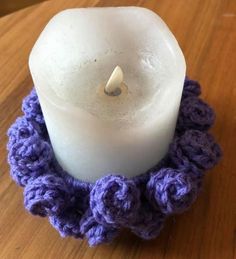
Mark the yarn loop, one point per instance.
(195, 114)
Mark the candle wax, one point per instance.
(92, 133)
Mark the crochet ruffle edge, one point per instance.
(99, 210)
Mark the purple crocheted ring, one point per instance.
(98, 211)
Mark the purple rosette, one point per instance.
(191, 88)
(21, 129)
(195, 147)
(195, 114)
(29, 158)
(171, 191)
(114, 200)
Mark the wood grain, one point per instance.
(9, 6)
(206, 31)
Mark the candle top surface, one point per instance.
(78, 50)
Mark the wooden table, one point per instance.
(206, 31)
(7, 6)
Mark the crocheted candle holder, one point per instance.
(99, 210)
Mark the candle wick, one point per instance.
(113, 86)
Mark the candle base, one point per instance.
(99, 210)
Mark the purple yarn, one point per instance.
(98, 210)
(195, 114)
(31, 108)
(114, 200)
(29, 158)
(87, 221)
(195, 147)
(95, 232)
(149, 222)
(67, 223)
(191, 88)
(47, 195)
(79, 189)
(196, 174)
(32, 154)
(21, 129)
(171, 191)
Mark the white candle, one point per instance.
(93, 131)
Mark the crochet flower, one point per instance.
(67, 223)
(114, 200)
(195, 147)
(95, 232)
(191, 88)
(47, 195)
(195, 114)
(29, 158)
(171, 191)
(31, 107)
(21, 129)
(149, 222)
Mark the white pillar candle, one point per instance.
(93, 132)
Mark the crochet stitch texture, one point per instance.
(99, 210)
